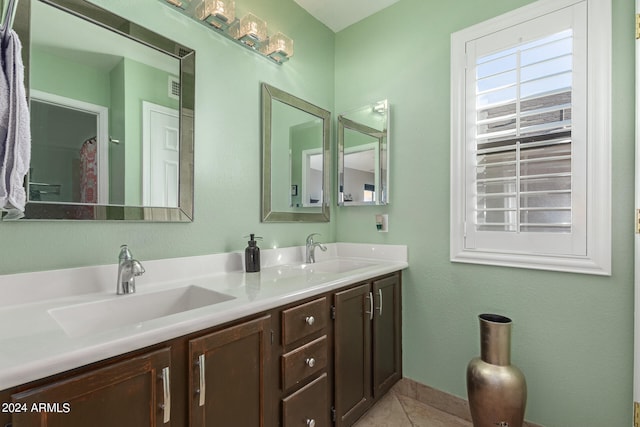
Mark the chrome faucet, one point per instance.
(311, 248)
(128, 269)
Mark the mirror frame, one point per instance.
(102, 17)
(269, 95)
(345, 123)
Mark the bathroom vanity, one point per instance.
(299, 345)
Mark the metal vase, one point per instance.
(497, 390)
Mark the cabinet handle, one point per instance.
(311, 422)
(310, 320)
(380, 297)
(310, 362)
(370, 312)
(203, 386)
(166, 389)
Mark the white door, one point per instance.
(636, 368)
(161, 155)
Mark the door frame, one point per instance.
(102, 134)
(636, 328)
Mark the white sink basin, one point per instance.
(122, 310)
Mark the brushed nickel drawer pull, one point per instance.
(166, 388)
(310, 362)
(203, 386)
(311, 422)
(310, 320)
(370, 312)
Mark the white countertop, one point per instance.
(34, 345)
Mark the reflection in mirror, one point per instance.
(363, 155)
(111, 116)
(296, 145)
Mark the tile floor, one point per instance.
(397, 410)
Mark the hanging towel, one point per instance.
(15, 132)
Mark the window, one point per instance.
(530, 143)
(369, 193)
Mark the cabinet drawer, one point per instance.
(303, 320)
(307, 406)
(303, 362)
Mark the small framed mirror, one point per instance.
(295, 158)
(112, 110)
(363, 155)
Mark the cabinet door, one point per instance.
(228, 381)
(387, 331)
(353, 309)
(132, 393)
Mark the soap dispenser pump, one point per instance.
(252, 255)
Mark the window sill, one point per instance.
(582, 265)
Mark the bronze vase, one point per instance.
(497, 390)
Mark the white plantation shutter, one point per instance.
(520, 147)
(523, 137)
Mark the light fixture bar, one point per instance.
(250, 31)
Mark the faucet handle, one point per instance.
(136, 268)
(310, 237)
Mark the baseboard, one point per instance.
(438, 399)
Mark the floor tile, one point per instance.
(422, 415)
(395, 410)
(388, 412)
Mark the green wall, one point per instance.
(572, 334)
(303, 137)
(117, 131)
(60, 76)
(227, 148)
(141, 83)
(121, 89)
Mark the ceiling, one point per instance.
(339, 14)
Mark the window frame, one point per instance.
(595, 257)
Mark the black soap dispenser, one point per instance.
(252, 255)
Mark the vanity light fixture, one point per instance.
(219, 13)
(279, 47)
(250, 30)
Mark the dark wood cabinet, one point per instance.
(352, 363)
(387, 334)
(285, 367)
(367, 359)
(131, 393)
(229, 380)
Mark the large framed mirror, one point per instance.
(296, 158)
(112, 111)
(363, 155)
